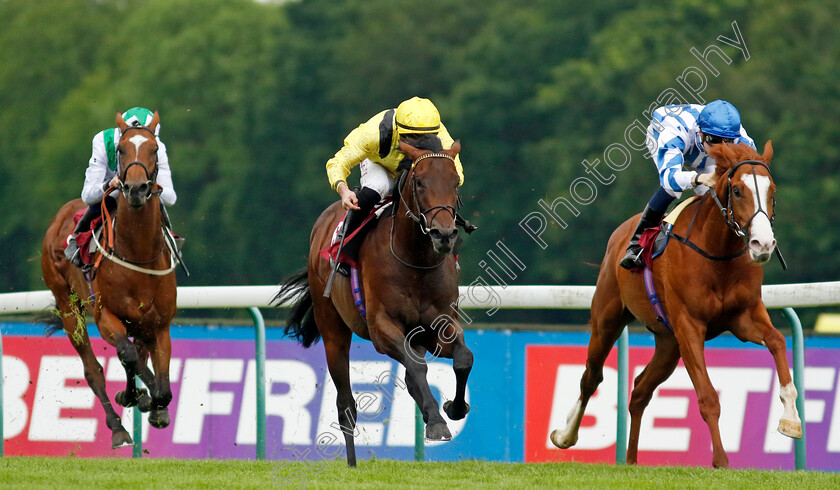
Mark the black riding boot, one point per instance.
(71, 253)
(367, 198)
(633, 258)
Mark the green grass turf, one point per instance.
(76, 473)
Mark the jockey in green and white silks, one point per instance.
(102, 171)
(102, 167)
(678, 139)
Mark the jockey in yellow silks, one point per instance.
(375, 147)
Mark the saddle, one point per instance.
(331, 253)
(87, 245)
(654, 240)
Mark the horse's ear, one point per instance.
(723, 157)
(410, 151)
(768, 152)
(454, 149)
(155, 121)
(121, 123)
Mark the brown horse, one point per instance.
(410, 283)
(702, 297)
(131, 295)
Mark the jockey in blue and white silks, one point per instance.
(679, 137)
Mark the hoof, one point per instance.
(438, 432)
(790, 428)
(456, 413)
(120, 438)
(562, 441)
(159, 418)
(144, 403)
(126, 401)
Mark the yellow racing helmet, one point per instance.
(417, 115)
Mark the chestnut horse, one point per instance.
(131, 299)
(409, 279)
(701, 297)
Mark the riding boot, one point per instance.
(633, 258)
(367, 198)
(72, 253)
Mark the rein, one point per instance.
(685, 241)
(729, 215)
(420, 216)
(111, 254)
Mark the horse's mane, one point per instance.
(728, 155)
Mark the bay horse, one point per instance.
(132, 296)
(410, 284)
(700, 296)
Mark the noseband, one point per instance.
(420, 217)
(728, 212)
(150, 179)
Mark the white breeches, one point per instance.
(374, 176)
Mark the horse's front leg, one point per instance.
(113, 331)
(691, 335)
(449, 343)
(755, 326)
(161, 391)
(388, 338)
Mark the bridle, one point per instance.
(110, 252)
(419, 217)
(150, 179)
(729, 213)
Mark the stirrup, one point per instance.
(633, 260)
(343, 269)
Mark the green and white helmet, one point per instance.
(138, 116)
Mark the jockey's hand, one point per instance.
(115, 182)
(707, 179)
(348, 197)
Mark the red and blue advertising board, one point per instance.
(522, 386)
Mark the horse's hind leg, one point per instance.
(77, 333)
(661, 366)
(608, 320)
(337, 347)
(755, 326)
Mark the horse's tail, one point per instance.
(51, 321)
(301, 323)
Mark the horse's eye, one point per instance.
(736, 192)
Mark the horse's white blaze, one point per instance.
(138, 140)
(762, 240)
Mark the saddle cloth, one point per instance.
(86, 246)
(330, 253)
